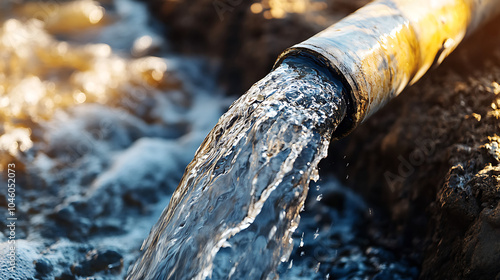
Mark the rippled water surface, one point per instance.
(238, 204)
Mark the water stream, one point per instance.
(238, 202)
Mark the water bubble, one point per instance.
(316, 269)
(141, 45)
(370, 212)
(272, 232)
(79, 97)
(96, 16)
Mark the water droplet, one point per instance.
(96, 15)
(319, 197)
(272, 232)
(316, 270)
(79, 97)
(282, 215)
(316, 234)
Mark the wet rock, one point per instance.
(43, 268)
(66, 275)
(99, 261)
(71, 220)
(468, 230)
(109, 226)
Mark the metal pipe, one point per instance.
(388, 44)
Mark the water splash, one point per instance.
(234, 211)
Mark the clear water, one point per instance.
(237, 205)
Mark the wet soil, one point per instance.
(431, 158)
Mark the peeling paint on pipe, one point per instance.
(388, 44)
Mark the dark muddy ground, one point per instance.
(431, 157)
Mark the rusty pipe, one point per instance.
(389, 44)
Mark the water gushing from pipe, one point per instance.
(248, 181)
(238, 202)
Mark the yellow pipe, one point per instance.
(388, 44)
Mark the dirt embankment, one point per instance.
(430, 159)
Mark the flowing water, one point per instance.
(239, 200)
(101, 118)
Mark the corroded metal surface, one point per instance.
(388, 44)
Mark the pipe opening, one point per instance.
(324, 65)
